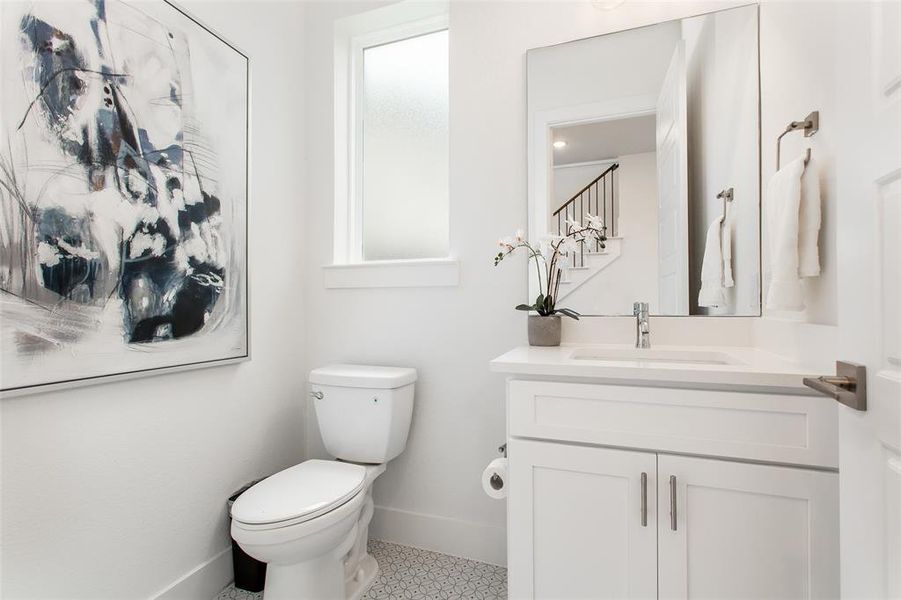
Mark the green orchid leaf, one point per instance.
(569, 313)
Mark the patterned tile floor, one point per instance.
(407, 573)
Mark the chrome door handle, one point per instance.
(644, 499)
(848, 385)
(672, 503)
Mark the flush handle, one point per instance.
(848, 385)
(317, 395)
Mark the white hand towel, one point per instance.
(726, 243)
(783, 205)
(809, 220)
(712, 293)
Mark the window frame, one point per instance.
(353, 35)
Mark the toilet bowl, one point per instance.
(304, 522)
(310, 522)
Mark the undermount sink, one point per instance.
(656, 355)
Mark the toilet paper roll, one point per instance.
(494, 479)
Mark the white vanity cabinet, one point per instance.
(642, 492)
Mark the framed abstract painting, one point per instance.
(123, 193)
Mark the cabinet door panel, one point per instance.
(746, 531)
(574, 522)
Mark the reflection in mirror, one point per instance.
(656, 131)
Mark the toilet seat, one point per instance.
(298, 494)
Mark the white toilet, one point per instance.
(310, 522)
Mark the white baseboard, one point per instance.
(202, 582)
(476, 541)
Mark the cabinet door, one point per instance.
(746, 531)
(575, 526)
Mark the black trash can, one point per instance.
(250, 574)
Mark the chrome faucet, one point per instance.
(642, 324)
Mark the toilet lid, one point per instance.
(309, 489)
(363, 376)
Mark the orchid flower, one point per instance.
(595, 222)
(572, 226)
(548, 243)
(569, 245)
(553, 253)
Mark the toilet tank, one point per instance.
(364, 412)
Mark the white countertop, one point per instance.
(751, 368)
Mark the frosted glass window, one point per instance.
(405, 149)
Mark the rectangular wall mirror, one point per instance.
(656, 130)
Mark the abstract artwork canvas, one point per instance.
(123, 192)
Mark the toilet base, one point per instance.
(367, 571)
(320, 579)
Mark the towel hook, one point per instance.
(810, 125)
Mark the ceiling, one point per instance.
(605, 139)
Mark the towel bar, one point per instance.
(725, 195)
(810, 125)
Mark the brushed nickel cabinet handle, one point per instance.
(672, 502)
(644, 499)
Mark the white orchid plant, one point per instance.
(551, 256)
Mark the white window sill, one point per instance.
(428, 272)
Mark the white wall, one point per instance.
(118, 490)
(431, 494)
(798, 52)
(723, 143)
(633, 276)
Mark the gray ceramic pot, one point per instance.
(544, 331)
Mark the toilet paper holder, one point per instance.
(496, 482)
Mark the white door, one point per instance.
(868, 226)
(746, 531)
(576, 525)
(672, 185)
